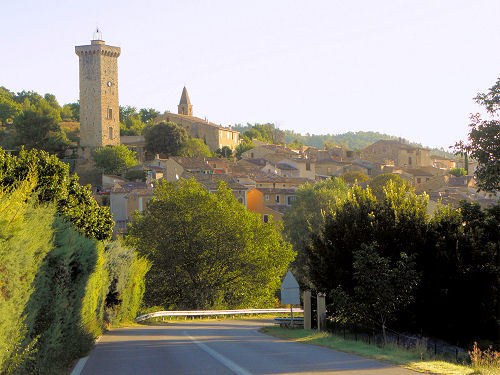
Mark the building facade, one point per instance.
(215, 136)
(99, 111)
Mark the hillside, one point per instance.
(353, 140)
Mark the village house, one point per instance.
(270, 202)
(269, 152)
(125, 199)
(397, 153)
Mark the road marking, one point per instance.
(222, 359)
(79, 366)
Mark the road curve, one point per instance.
(219, 348)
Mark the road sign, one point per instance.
(290, 294)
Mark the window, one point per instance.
(265, 218)
(110, 132)
(308, 166)
(277, 198)
(251, 155)
(409, 160)
(290, 199)
(110, 114)
(267, 197)
(419, 180)
(329, 170)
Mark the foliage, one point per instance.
(354, 177)
(136, 174)
(136, 123)
(9, 108)
(126, 287)
(381, 287)
(378, 183)
(306, 216)
(268, 133)
(484, 141)
(114, 159)
(35, 127)
(457, 172)
(296, 144)
(224, 152)
(73, 201)
(242, 147)
(455, 253)
(166, 138)
(195, 148)
(207, 250)
(54, 285)
(25, 234)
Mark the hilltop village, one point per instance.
(265, 178)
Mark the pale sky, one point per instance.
(408, 68)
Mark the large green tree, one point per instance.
(165, 138)
(306, 216)
(484, 140)
(207, 250)
(114, 159)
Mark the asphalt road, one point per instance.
(219, 348)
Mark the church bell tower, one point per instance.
(185, 107)
(99, 111)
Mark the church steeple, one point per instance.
(185, 107)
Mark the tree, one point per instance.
(397, 224)
(306, 217)
(382, 286)
(484, 141)
(296, 144)
(242, 147)
(379, 183)
(457, 172)
(195, 148)
(34, 126)
(166, 138)
(148, 115)
(354, 177)
(54, 184)
(207, 250)
(114, 159)
(9, 109)
(224, 152)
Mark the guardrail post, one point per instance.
(321, 312)
(307, 309)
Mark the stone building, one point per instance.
(99, 112)
(398, 154)
(215, 136)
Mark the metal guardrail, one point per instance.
(213, 313)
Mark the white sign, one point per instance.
(290, 294)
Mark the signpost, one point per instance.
(290, 293)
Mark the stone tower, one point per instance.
(185, 107)
(99, 112)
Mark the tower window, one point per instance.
(110, 114)
(110, 132)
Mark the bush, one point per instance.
(55, 284)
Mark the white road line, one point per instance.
(79, 366)
(222, 359)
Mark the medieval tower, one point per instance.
(185, 107)
(99, 112)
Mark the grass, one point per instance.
(414, 359)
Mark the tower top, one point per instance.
(97, 35)
(185, 107)
(184, 97)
